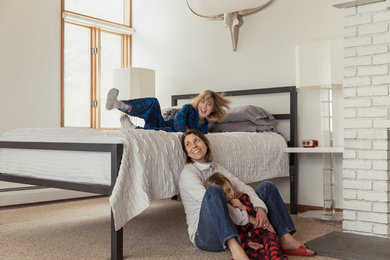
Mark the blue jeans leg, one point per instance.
(215, 225)
(278, 214)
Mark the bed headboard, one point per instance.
(291, 116)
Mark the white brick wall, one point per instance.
(372, 90)
(369, 50)
(366, 119)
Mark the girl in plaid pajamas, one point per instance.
(258, 243)
(206, 106)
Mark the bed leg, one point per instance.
(293, 184)
(116, 241)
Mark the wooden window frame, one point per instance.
(95, 101)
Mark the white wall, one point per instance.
(30, 62)
(30, 73)
(191, 54)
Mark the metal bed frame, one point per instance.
(116, 151)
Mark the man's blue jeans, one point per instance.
(216, 227)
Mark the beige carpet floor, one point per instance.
(80, 229)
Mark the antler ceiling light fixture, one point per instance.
(230, 11)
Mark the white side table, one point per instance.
(328, 212)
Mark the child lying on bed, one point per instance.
(206, 106)
(258, 243)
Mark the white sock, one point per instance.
(123, 106)
(125, 121)
(112, 99)
(113, 102)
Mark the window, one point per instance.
(96, 37)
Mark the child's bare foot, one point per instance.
(255, 245)
(237, 251)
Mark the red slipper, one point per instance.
(299, 251)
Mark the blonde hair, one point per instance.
(218, 113)
(220, 180)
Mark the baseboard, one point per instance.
(36, 194)
(304, 208)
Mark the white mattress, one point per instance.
(151, 162)
(80, 167)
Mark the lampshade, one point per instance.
(319, 63)
(139, 81)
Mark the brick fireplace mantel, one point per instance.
(350, 3)
(366, 88)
